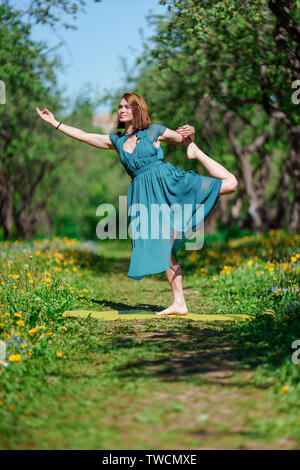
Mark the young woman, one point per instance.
(157, 184)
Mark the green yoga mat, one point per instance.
(142, 314)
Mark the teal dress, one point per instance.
(156, 197)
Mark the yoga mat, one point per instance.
(142, 314)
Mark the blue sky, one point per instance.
(107, 31)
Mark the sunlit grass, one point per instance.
(256, 275)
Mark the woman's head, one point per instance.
(133, 109)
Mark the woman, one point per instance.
(155, 184)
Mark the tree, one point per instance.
(227, 59)
(29, 156)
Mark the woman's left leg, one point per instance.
(174, 275)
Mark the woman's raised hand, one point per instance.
(188, 132)
(46, 115)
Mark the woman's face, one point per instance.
(125, 111)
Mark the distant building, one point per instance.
(107, 122)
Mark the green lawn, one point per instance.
(155, 383)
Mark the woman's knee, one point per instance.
(176, 268)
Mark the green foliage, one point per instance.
(55, 183)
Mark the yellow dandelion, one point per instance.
(49, 333)
(59, 354)
(285, 388)
(17, 314)
(33, 330)
(20, 323)
(15, 357)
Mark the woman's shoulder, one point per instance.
(115, 138)
(118, 134)
(155, 130)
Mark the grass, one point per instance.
(157, 383)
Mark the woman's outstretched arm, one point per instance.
(229, 183)
(101, 141)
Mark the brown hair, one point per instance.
(141, 118)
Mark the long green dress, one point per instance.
(158, 184)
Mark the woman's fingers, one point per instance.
(186, 130)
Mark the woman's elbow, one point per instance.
(229, 185)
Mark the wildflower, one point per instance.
(20, 323)
(15, 357)
(285, 388)
(59, 354)
(33, 330)
(12, 407)
(18, 314)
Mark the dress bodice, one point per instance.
(144, 152)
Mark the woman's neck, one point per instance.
(129, 128)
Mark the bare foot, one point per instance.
(174, 309)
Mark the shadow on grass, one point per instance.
(125, 306)
(179, 352)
